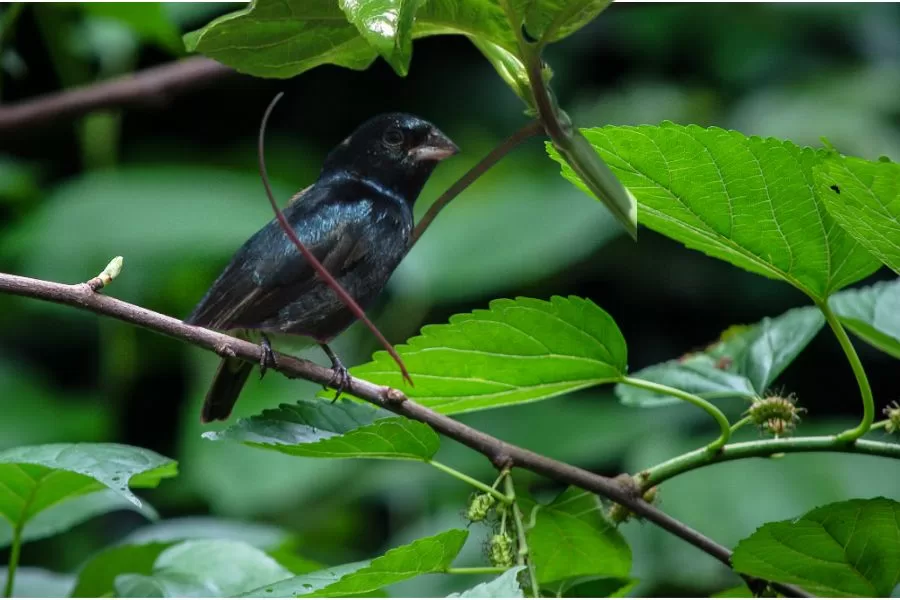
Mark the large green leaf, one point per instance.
(427, 555)
(742, 364)
(519, 350)
(750, 201)
(334, 430)
(137, 553)
(203, 568)
(572, 538)
(37, 478)
(504, 586)
(387, 26)
(872, 313)
(552, 20)
(72, 511)
(864, 197)
(844, 549)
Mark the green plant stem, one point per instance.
(471, 481)
(474, 570)
(879, 425)
(740, 424)
(14, 551)
(760, 449)
(864, 389)
(522, 558)
(697, 401)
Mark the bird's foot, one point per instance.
(341, 379)
(268, 356)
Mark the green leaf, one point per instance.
(96, 578)
(843, 549)
(340, 430)
(204, 568)
(872, 313)
(750, 201)
(428, 555)
(32, 582)
(864, 198)
(571, 538)
(741, 591)
(36, 478)
(283, 38)
(387, 26)
(71, 512)
(552, 20)
(259, 535)
(593, 587)
(742, 364)
(520, 350)
(504, 586)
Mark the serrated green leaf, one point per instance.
(843, 549)
(283, 38)
(742, 364)
(203, 568)
(520, 350)
(36, 478)
(387, 26)
(864, 197)
(71, 512)
(592, 587)
(872, 313)
(504, 586)
(427, 555)
(32, 582)
(749, 201)
(572, 538)
(340, 430)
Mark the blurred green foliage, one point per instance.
(175, 192)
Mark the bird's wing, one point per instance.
(268, 272)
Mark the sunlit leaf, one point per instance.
(844, 549)
(504, 586)
(872, 313)
(572, 538)
(519, 350)
(387, 26)
(428, 555)
(334, 430)
(750, 201)
(204, 568)
(864, 197)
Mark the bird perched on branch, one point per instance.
(356, 219)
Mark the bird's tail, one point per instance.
(225, 389)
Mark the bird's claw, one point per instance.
(341, 381)
(268, 357)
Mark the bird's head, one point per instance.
(395, 150)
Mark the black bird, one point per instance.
(357, 219)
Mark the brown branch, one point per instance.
(531, 129)
(154, 86)
(500, 453)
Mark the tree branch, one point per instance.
(500, 453)
(154, 87)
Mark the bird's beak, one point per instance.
(436, 146)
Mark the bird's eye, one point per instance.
(393, 137)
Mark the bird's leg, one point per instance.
(268, 356)
(341, 378)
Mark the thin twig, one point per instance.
(500, 453)
(151, 87)
(530, 130)
(329, 279)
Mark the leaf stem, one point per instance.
(474, 570)
(697, 401)
(471, 481)
(864, 389)
(760, 449)
(740, 423)
(522, 558)
(531, 129)
(14, 553)
(879, 425)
